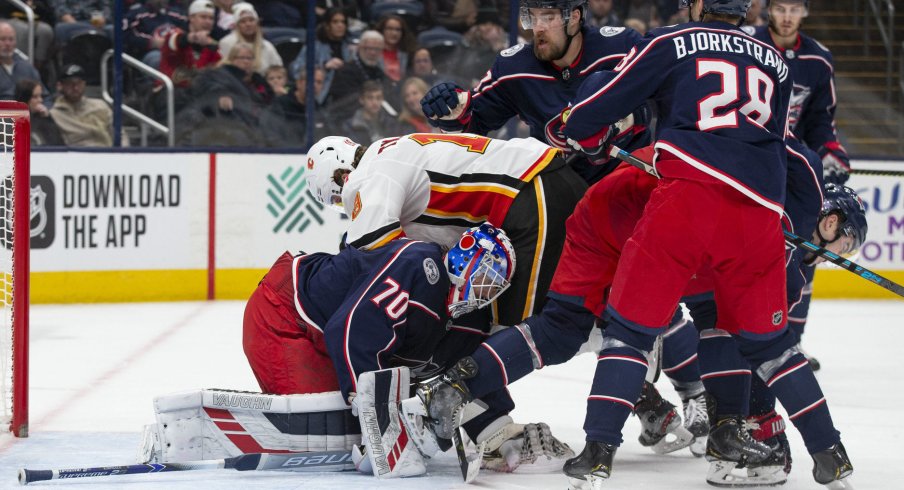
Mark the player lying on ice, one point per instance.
(315, 330)
(596, 233)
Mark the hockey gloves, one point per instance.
(835, 163)
(447, 106)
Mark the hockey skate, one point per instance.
(832, 468)
(696, 421)
(515, 448)
(588, 470)
(661, 425)
(731, 452)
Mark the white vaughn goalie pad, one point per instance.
(390, 448)
(214, 424)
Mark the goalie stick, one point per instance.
(790, 238)
(306, 461)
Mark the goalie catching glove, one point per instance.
(448, 107)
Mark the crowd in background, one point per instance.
(239, 68)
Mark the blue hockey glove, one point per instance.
(836, 165)
(440, 104)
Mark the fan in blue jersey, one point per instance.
(811, 112)
(317, 321)
(722, 100)
(537, 81)
(812, 108)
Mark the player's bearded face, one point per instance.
(785, 18)
(549, 34)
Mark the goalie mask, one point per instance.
(330, 160)
(480, 267)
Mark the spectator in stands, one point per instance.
(83, 121)
(285, 121)
(147, 27)
(346, 86)
(44, 18)
(278, 78)
(480, 45)
(332, 47)
(14, 67)
(455, 15)
(184, 53)
(422, 67)
(411, 117)
(235, 86)
(601, 13)
(645, 12)
(370, 122)
(44, 131)
(77, 16)
(399, 43)
(224, 17)
(248, 29)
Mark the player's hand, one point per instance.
(555, 131)
(447, 106)
(836, 165)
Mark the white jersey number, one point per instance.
(759, 90)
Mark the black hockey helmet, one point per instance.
(847, 205)
(737, 8)
(805, 2)
(566, 6)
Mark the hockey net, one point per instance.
(14, 265)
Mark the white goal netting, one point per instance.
(7, 184)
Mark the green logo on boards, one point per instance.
(290, 203)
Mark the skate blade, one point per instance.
(698, 447)
(593, 482)
(726, 474)
(842, 484)
(679, 438)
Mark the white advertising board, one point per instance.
(884, 200)
(108, 211)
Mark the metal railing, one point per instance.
(145, 121)
(887, 33)
(30, 15)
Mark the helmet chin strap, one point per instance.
(569, 37)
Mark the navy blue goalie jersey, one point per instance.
(376, 308)
(722, 99)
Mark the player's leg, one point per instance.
(752, 303)
(285, 357)
(797, 316)
(681, 365)
(535, 224)
(648, 283)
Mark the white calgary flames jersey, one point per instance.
(432, 187)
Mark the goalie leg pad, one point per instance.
(389, 446)
(213, 424)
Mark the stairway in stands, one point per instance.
(869, 117)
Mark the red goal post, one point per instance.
(15, 231)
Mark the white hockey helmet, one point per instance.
(330, 160)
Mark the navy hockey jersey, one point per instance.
(812, 107)
(376, 308)
(722, 99)
(802, 207)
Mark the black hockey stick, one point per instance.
(845, 264)
(790, 238)
(306, 461)
(882, 173)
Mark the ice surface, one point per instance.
(96, 368)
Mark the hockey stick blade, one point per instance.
(470, 465)
(791, 238)
(846, 264)
(306, 461)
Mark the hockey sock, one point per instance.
(503, 358)
(795, 385)
(679, 357)
(620, 370)
(762, 400)
(725, 372)
(498, 403)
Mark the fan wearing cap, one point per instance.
(83, 121)
(248, 29)
(184, 53)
